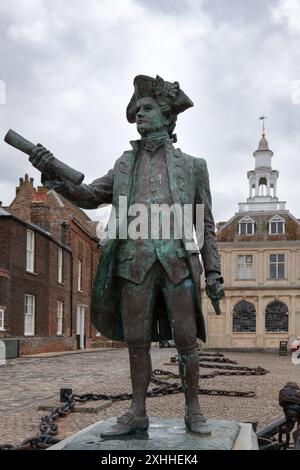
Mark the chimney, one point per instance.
(41, 194)
(23, 181)
(40, 215)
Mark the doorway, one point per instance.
(80, 327)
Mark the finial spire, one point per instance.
(263, 126)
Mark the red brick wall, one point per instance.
(5, 225)
(58, 291)
(43, 283)
(68, 225)
(86, 249)
(38, 345)
(23, 282)
(40, 215)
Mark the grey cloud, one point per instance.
(236, 11)
(69, 82)
(167, 7)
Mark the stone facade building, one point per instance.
(260, 256)
(48, 258)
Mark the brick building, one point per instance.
(48, 258)
(260, 256)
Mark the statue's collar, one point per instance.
(150, 144)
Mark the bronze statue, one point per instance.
(148, 288)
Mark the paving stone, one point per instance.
(28, 383)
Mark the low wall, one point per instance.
(44, 344)
(104, 343)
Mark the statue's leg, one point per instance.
(137, 312)
(140, 371)
(180, 303)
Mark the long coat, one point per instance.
(189, 184)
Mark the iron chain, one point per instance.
(48, 428)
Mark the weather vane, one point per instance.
(263, 120)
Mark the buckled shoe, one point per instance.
(197, 424)
(127, 424)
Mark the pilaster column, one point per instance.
(229, 268)
(228, 326)
(293, 267)
(260, 323)
(292, 314)
(260, 267)
(250, 188)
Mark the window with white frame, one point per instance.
(245, 267)
(1, 319)
(79, 276)
(60, 316)
(276, 225)
(246, 226)
(60, 265)
(30, 251)
(277, 266)
(29, 318)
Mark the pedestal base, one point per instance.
(165, 434)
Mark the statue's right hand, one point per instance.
(51, 182)
(40, 158)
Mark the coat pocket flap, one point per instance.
(125, 254)
(181, 253)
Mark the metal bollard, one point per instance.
(64, 394)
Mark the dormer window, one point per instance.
(276, 225)
(246, 226)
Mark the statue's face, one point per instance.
(149, 117)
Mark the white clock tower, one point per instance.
(262, 182)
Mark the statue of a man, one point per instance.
(148, 288)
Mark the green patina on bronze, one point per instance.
(149, 290)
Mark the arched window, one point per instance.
(262, 186)
(276, 318)
(244, 317)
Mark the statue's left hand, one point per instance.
(215, 286)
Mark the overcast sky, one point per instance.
(68, 67)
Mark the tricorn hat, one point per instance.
(145, 86)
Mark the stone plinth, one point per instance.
(165, 434)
